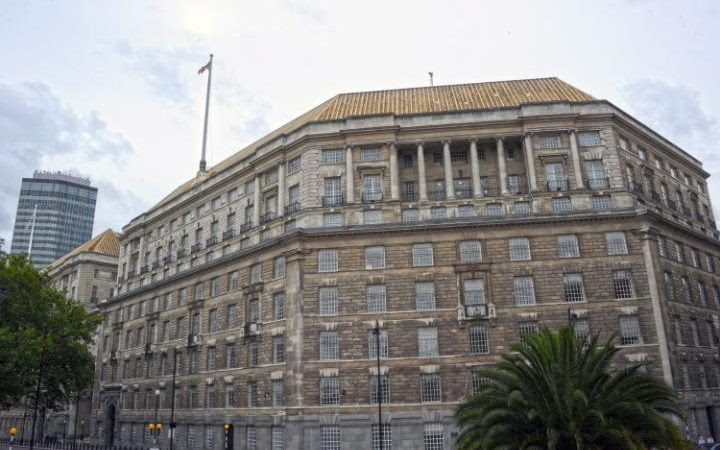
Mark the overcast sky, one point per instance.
(110, 90)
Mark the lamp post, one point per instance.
(157, 425)
(376, 333)
(172, 400)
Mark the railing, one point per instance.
(67, 444)
(410, 197)
(181, 253)
(212, 240)
(251, 328)
(370, 197)
(557, 185)
(246, 226)
(228, 234)
(671, 204)
(332, 200)
(598, 183)
(687, 211)
(156, 264)
(267, 217)
(195, 247)
(476, 310)
(292, 208)
(463, 193)
(518, 190)
(637, 187)
(144, 269)
(436, 195)
(655, 195)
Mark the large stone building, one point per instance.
(456, 218)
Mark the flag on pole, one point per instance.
(205, 67)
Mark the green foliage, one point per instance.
(556, 392)
(40, 327)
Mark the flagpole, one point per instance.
(203, 163)
(32, 231)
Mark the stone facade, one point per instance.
(257, 286)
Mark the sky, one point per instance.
(110, 90)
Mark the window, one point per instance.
(407, 160)
(630, 330)
(642, 153)
(384, 395)
(549, 141)
(409, 192)
(624, 143)
(524, 290)
(616, 244)
(376, 298)
(659, 163)
(215, 287)
(587, 138)
(430, 387)
(410, 215)
(494, 209)
(702, 293)
(329, 345)
(679, 252)
(479, 341)
(372, 344)
(526, 327)
(213, 324)
(433, 437)
(279, 267)
(253, 354)
(332, 156)
(474, 292)
(694, 257)
(198, 291)
(581, 325)
(573, 286)
(513, 184)
(271, 176)
(278, 349)
(519, 249)
(623, 283)
(521, 208)
(422, 255)
(478, 382)
(251, 396)
(278, 438)
(694, 332)
(293, 165)
(329, 391)
(230, 356)
(427, 342)
(332, 219)
(328, 299)
(425, 295)
(562, 205)
(669, 286)
(437, 158)
(386, 436)
(687, 293)
(330, 438)
(279, 305)
(601, 202)
(438, 212)
(470, 251)
(327, 260)
(372, 188)
(370, 154)
(661, 246)
(466, 211)
(568, 246)
(458, 156)
(210, 398)
(373, 216)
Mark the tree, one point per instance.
(41, 329)
(555, 391)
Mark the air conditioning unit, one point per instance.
(252, 328)
(193, 340)
(485, 311)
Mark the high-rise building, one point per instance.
(56, 211)
(456, 219)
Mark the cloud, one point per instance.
(37, 128)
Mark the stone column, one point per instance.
(422, 186)
(394, 176)
(281, 189)
(447, 163)
(475, 168)
(530, 161)
(256, 202)
(502, 169)
(294, 328)
(579, 183)
(349, 175)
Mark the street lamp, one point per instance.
(376, 333)
(172, 400)
(158, 427)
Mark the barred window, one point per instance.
(694, 332)
(519, 249)
(470, 251)
(370, 154)
(458, 156)
(524, 290)
(587, 138)
(279, 267)
(407, 160)
(494, 209)
(438, 212)
(332, 156)
(251, 394)
(278, 343)
(623, 283)
(279, 305)
(687, 292)
(573, 286)
(630, 330)
(233, 280)
(327, 260)
(252, 354)
(679, 252)
(328, 299)
(424, 295)
(293, 165)
(330, 438)
(278, 438)
(254, 307)
(568, 246)
(677, 330)
(329, 391)
(581, 325)
(702, 293)
(373, 216)
(211, 355)
(474, 291)
(695, 257)
(549, 141)
(410, 215)
(278, 393)
(422, 255)
(616, 243)
(521, 208)
(562, 204)
(210, 398)
(433, 437)
(372, 344)
(230, 356)
(466, 211)
(409, 192)
(669, 286)
(526, 327)
(384, 395)
(479, 340)
(332, 219)
(375, 257)
(386, 436)
(256, 273)
(601, 202)
(213, 322)
(251, 438)
(430, 387)
(329, 345)
(478, 381)
(427, 341)
(198, 291)
(376, 298)
(710, 259)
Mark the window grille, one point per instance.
(587, 138)
(386, 436)
(375, 257)
(253, 354)
(526, 327)
(210, 397)
(616, 243)
(279, 267)
(293, 165)
(278, 438)
(376, 298)
(407, 160)
(519, 249)
(278, 349)
(478, 381)
(470, 251)
(422, 255)
(568, 246)
(574, 289)
(524, 290)
(384, 394)
(430, 388)
(581, 325)
(425, 295)
(601, 202)
(494, 209)
(213, 322)
(329, 391)
(372, 188)
(661, 246)
(433, 437)
(427, 342)
(254, 307)
(328, 299)
(327, 260)
(410, 215)
(466, 211)
(623, 283)
(513, 184)
(521, 208)
(479, 341)
(330, 438)
(474, 291)
(372, 345)
(562, 205)
(373, 216)
(251, 394)
(256, 273)
(279, 305)
(669, 286)
(370, 154)
(251, 438)
(438, 212)
(278, 393)
(329, 346)
(333, 219)
(679, 252)
(458, 156)
(409, 191)
(630, 330)
(549, 141)
(437, 158)
(332, 156)
(211, 358)
(230, 356)
(687, 292)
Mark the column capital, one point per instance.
(473, 140)
(571, 130)
(391, 143)
(528, 133)
(499, 138)
(420, 143)
(446, 141)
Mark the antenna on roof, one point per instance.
(431, 78)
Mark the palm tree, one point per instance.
(556, 391)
